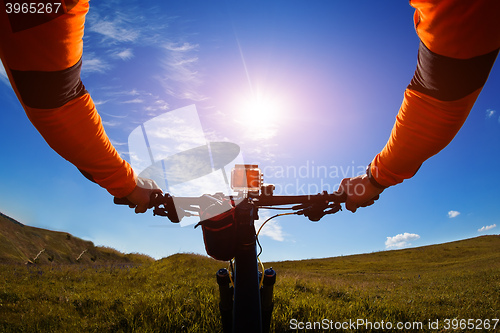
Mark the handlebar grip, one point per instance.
(122, 201)
(339, 197)
(155, 200)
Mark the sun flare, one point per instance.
(260, 114)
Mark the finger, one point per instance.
(351, 206)
(154, 198)
(141, 209)
(368, 203)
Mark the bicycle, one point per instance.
(246, 295)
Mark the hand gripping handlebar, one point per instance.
(313, 207)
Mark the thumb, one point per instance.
(148, 184)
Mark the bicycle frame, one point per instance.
(241, 307)
(247, 309)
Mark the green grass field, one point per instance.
(450, 283)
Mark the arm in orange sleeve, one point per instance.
(76, 133)
(42, 57)
(459, 45)
(424, 126)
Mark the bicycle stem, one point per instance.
(247, 307)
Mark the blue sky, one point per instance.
(323, 81)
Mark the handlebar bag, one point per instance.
(219, 234)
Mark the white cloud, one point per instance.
(158, 105)
(180, 61)
(132, 92)
(114, 30)
(271, 229)
(91, 64)
(119, 32)
(125, 54)
(490, 113)
(100, 102)
(116, 143)
(181, 48)
(110, 123)
(453, 213)
(120, 116)
(400, 240)
(112, 40)
(181, 78)
(486, 228)
(133, 101)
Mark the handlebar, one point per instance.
(312, 206)
(277, 200)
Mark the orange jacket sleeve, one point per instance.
(459, 42)
(42, 57)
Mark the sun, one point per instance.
(260, 114)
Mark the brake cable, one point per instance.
(314, 212)
(257, 234)
(276, 208)
(231, 267)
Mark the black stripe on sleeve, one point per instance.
(48, 90)
(449, 79)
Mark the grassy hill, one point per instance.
(469, 254)
(445, 284)
(24, 244)
(455, 281)
(419, 286)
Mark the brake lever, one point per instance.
(315, 212)
(334, 208)
(168, 209)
